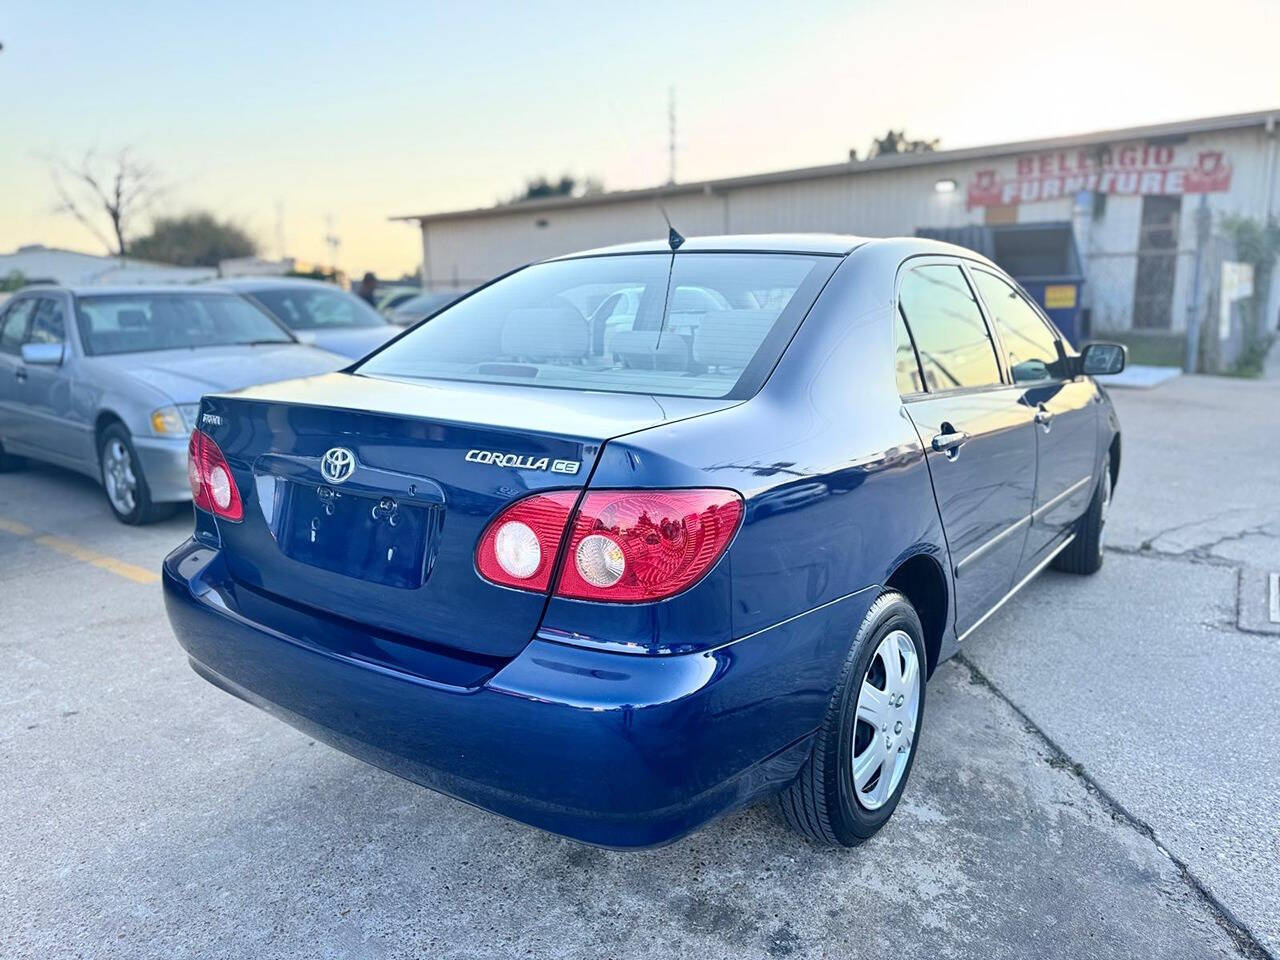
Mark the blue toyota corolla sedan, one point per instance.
(626, 539)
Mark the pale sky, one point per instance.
(362, 111)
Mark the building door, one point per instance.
(1157, 262)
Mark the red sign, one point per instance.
(1134, 170)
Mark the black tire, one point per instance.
(8, 462)
(142, 509)
(822, 803)
(1084, 555)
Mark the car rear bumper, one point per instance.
(612, 749)
(164, 464)
(606, 748)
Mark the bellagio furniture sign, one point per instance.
(1132, 169)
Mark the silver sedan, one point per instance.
(107, 381)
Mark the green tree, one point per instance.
(895, 141)
(1258, 243)
(196, 239)
(538, 188)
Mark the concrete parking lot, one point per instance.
(1098, 772)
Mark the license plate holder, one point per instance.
(376, 539)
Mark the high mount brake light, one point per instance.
(213, 488)
(624, 546)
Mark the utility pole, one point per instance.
(671, 135)
(280, 230)
(332, 241)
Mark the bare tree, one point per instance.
(106, 195)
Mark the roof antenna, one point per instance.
(673, 235)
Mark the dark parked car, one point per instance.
(416, 308)
(317, 312)
(616, 590)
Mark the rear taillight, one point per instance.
(212, 486)
(518, 549)
(624, 546)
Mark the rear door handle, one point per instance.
(949, 441)
(20, 373)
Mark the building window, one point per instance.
(1157, 262)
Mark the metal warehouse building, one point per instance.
(1143, 206)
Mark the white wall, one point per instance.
(890, 202)
(85, 269)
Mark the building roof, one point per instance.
(1155, 131)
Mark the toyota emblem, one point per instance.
(338, 465)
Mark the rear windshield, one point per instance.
(315, 308)
(693, 324)
(136, 323)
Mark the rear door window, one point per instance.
(906, 367)
(693, 324)
(1031, 346)
(951, 338)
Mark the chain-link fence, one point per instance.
(1153, 301)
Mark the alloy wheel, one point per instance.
(887, 716)
(118, 476)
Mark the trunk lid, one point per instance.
(384, 534)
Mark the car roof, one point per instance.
(248, 284)
(825, 244)
(122, 290)
(831, 244)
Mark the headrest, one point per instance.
(545, 333)
(730, 338)
(131, 319)
(642, 350)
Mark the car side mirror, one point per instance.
(42, 354)
(1102, 359)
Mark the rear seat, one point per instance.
(545, 333)
(643, 350)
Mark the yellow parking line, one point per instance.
(70, 548)
(101, 560)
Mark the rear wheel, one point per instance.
(863, 753)
(9, 462)
(122, 477)
(1084, 554)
